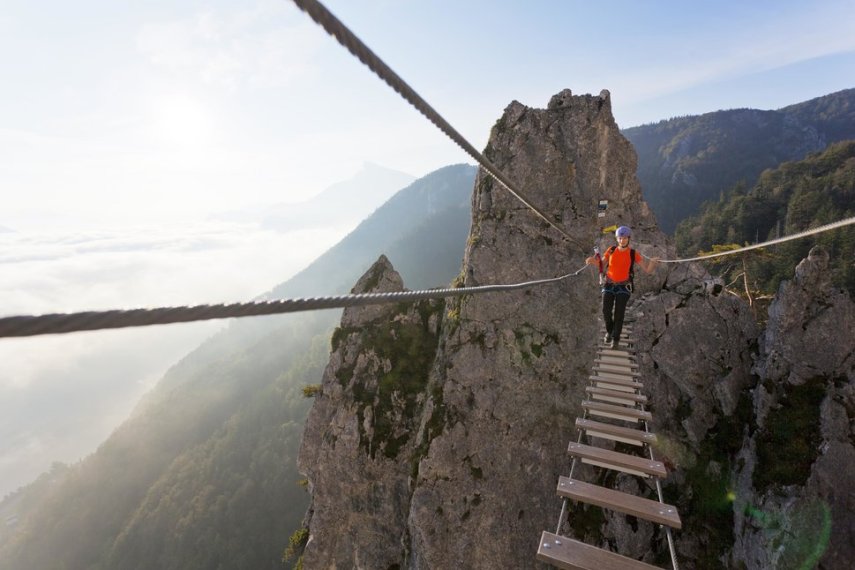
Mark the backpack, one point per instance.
(612, 249)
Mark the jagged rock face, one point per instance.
(810, 327)
(513, 366)
(795, 504)
(441, 428)
(360, 437)
(472, 480)
(696, 349)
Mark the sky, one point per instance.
(128, 129)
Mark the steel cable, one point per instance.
(324, 18)
(57, 323)
(817, 230)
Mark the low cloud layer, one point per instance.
(62, 395)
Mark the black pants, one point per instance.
(614, 300)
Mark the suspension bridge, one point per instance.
(615, 394)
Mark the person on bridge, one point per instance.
(617, 288)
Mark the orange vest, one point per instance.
(619, 264)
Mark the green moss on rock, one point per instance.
(788, 443)
(409, 347)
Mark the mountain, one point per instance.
(440, 430)
(792, 198)
(203, 474)
(347, 202)
(440, 427)
(430, 214)
(686, 161)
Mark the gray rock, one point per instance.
(807, 348)
(441, 428)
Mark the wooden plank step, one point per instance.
(624, 338)
(615, 396)
(653, 511)
(616, 361)
(616, 375)
(615, 370)
(622, 384)
(569, 554)
(623, 334)
(617, 461)
(616, 352)
(618, 387)
(615, 433)
(616, 412)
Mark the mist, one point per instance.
(62, 395)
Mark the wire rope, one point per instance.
(57, 323)
(333, 26)
(809, 232)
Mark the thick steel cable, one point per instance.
(817, 230)
(57, 323)
(333, 26)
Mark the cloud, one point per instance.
(187, 263)
(62, 395)
(268, 45)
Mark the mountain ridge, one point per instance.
(686, 161)
(226, 409)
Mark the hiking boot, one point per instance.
(615, 343)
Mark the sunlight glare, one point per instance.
(182, 121)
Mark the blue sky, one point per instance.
(163, 109)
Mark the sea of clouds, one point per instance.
(62, 395)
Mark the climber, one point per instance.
(617, 288)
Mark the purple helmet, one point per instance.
(623, 231)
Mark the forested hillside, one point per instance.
(686, 161)
(789, 199)
(203, 475)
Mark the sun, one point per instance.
(182, 121)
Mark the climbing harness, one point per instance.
(625, 287)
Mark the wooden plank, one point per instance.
(616, 361)
(653, 511)
(616, 461)
(624, 334)
(626, 327)
(615, 396)
(615, 370)
(623, 384)
(617, 412)
(616, 433)
(615, 352)
(616, 376)
(569, 554)
(624, 341)
(615, 387)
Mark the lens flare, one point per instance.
(798, 536)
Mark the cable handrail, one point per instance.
(59, 323)
(799, 235)
(334, 27)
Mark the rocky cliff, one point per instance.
(441, 428)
